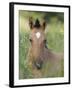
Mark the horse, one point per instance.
(39, 55)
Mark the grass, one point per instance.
(55, 41)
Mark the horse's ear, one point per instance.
(31, 22)
(43, 25)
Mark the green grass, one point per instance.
(55, 41)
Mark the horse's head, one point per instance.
(38, 40)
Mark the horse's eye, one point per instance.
(45, 41)
(30, 40)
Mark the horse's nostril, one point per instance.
(38, 65)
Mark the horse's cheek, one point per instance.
(42, 45)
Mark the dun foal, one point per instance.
(39, 55)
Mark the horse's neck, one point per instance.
(50, 55)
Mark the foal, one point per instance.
(39, 54)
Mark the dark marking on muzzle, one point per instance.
(38, 64)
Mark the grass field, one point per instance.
(55, 41)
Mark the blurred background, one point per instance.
(55, 39)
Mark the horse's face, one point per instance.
(38, 41)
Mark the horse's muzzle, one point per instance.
(38, 64)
